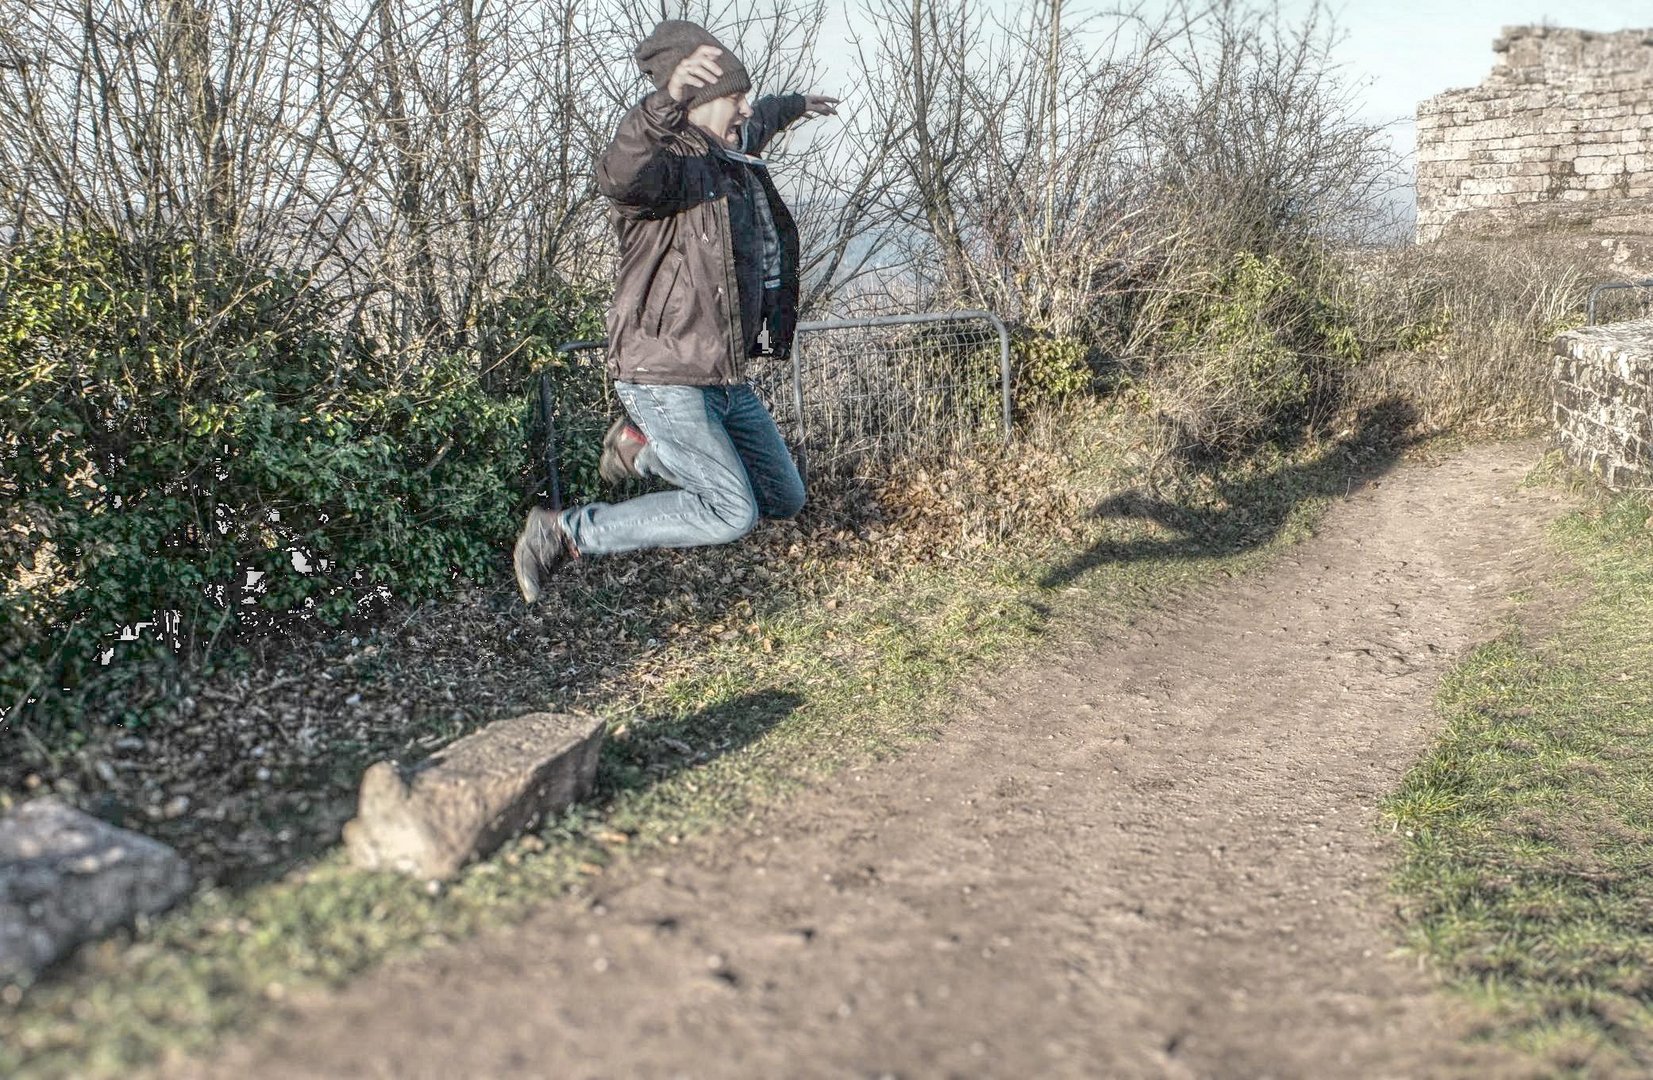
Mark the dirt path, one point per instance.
(1153, 855)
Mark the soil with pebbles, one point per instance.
(1154, 853)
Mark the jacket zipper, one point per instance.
(731, 294)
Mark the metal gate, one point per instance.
(855, 393)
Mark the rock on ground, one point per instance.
(66, 878)
(473, 796)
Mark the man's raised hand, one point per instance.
(697, 69)
(820, 105)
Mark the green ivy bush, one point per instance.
(519, 339)
(1049, 371)
(184, 445)
(519, 335)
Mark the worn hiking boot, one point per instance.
(542, 546)
(621, 446)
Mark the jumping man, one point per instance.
(708, 268)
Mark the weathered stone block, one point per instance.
(1602, 399)
(67, 878)
(1589, 166)
(1582, 95)
(465, 801)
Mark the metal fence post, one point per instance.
(1004, 370)
(548, 424)
(547, 416)
(1606, 286)
(798, 412)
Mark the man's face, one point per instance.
(722, 117)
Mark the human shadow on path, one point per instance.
(640, 755)
(1248, 511)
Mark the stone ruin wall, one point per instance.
(1558, 143)
(1559, 136)
(1602, 402)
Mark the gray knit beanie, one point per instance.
(671, 42)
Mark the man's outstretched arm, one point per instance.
(774, 114)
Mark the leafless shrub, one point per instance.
(1463, 330)
(1085, 173)
(1006, 153)
(414, 158)
(420, 160)
(1256, 136)
(1066, 166)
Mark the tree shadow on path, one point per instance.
(1248, 511)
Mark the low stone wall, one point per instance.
(1602, 395)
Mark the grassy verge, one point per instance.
(706, 731)
(1527, 872)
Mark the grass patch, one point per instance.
(1527, 865)
(709, 729)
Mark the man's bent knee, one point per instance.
(729, 521)
(787, 507)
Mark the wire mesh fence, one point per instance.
(900, 386)
(854, 394)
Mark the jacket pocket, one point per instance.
(654, 322)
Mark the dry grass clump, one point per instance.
(1232, 352)
(1463, 330)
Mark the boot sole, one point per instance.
(522, 564)
(526, 563)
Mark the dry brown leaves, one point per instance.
(250, 771)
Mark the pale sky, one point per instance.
(1404, 51)
(1399, 52)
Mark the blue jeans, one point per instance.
(719, 447)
